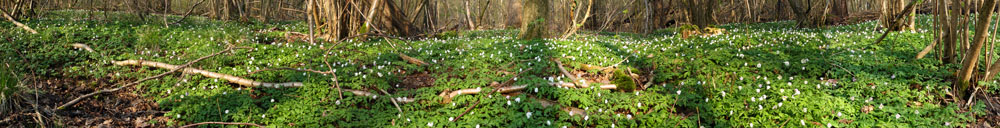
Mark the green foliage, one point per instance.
(623, 81)
(764, 75)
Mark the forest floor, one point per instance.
(753, 75)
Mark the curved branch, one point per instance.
(175, 69)
(230, 78)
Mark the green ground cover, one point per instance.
(756, 75)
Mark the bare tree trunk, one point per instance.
(804, 12)
(533, 19)
(468, 17)
(701, 12)
(972, 57)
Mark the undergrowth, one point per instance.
(756, 75)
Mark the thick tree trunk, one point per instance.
(809, 13)
(701, 12)
(971, 59)
(533, 19)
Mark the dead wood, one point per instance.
(572, 77)
(227, 77)
(412, 60)
(19, 24)
(186, 14)
(501, 85)
(175, 69)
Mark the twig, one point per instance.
(505, 83)
(25, 27)
(845, 69)
(615, 65)
(223, 123)
(177, 68)
(393, 101)
(571, 77)
(188, 12)
(969, 102)
(336, 84)
(649, 79)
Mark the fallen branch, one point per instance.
(447, 95)
(393, 101)
(571, 110)
(571, 77)
(922, 53)
(175, 69)
(504, 84)
(222, 123)
(969, 102)
(614, 65)
(19, 24)
(412, 60)
(230, 78)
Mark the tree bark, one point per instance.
(806, 13)
(701, 13)
(468, 16)
(575, 26)
(11, 19)
(972, 57)
(889, 10)
(534, 19)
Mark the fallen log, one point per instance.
(227, 77)
(175, 69)
(447, 95)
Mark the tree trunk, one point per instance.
(809, 13)
(892, 7)
(701, 12)
(972, 57)
(533, 19)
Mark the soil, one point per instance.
(122, 108)
(417, 80)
